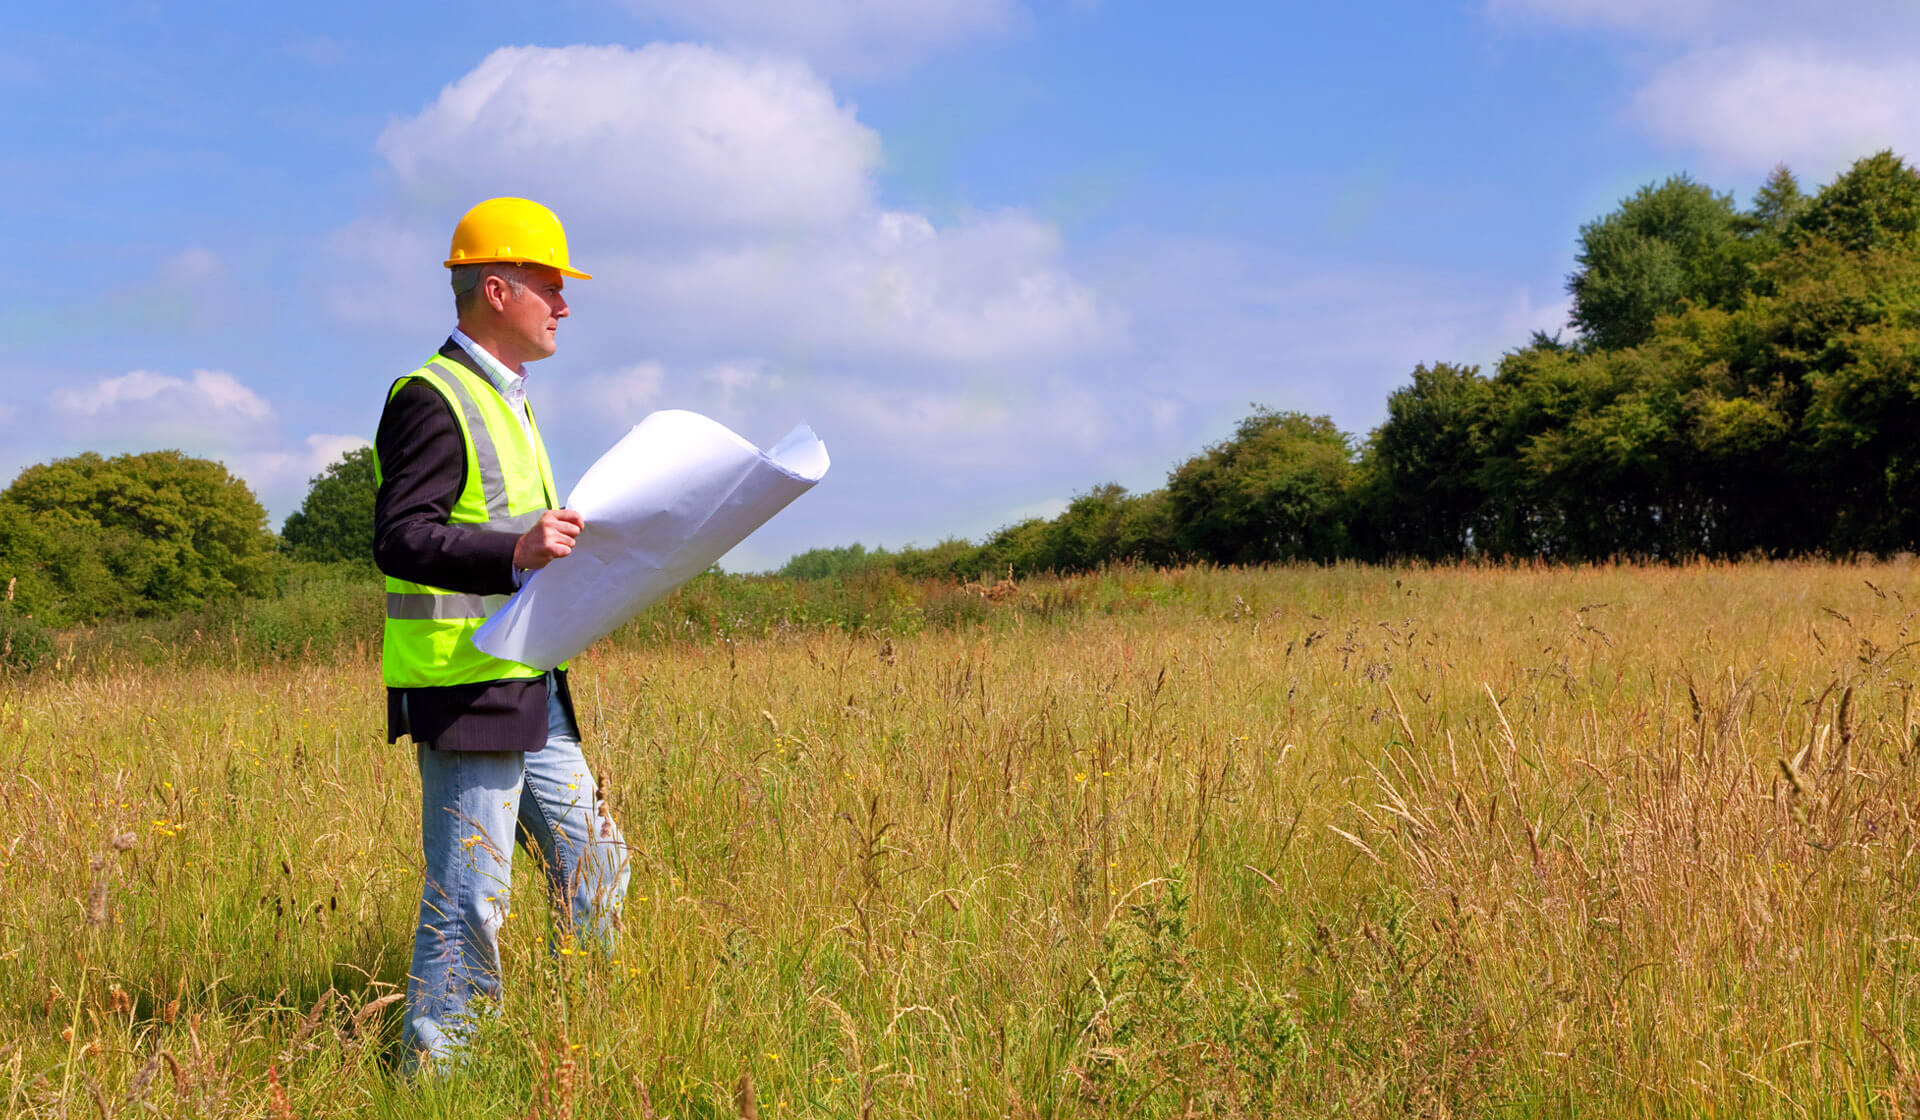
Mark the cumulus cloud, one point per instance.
(864, 37)
(276, 469)
(1750, 107)
(159, 402)
(941, 427)
(1743, 85)
(210, 413)
(664, 138)
(725, 204)
(891, 288)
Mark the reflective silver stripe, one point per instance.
(425, 605)
(493, 482)
(518, 523)
(539, 449)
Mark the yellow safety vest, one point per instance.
(428, 640)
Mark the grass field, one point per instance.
(1608, 841)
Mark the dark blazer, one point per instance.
(423, 469)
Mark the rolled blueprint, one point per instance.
(661, 506)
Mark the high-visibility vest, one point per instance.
(428, 640)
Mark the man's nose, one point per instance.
(559, 307)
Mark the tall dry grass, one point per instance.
(1611, 841)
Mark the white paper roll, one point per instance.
(660, 507)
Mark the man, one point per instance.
(465, 510)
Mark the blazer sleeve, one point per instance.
(423, 469)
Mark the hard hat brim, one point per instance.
(562, 269)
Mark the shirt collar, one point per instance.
(504, 379)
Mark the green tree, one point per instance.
(1875, 205)
(1275, 491)
(1421, 495)
(145, 534)
(1778, 202)
(1677, 241)
(335, 522)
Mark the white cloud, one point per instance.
(1524, 316)
(930, 427)
(1749, 107)
(728, 379)
(212, 414)
(725, 205)
(276, 469)
(866, 37)
(662, 138)
(143, 399)
(892, 288)
(625, 395)
(1743, 85)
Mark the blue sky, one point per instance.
(995, 251)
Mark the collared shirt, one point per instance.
(512, 386)
(513, 389)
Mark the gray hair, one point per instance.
(467, 279)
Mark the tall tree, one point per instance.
(1422, 495)
(335, 522)
(1778, 201)
(1677, 241)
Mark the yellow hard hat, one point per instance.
(514, 230)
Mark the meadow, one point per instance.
(1350, 841)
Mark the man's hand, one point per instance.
(549, 540)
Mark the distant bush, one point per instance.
(136, 535)
(330, 612)
(834, 563)
(952, 558)
(24, 643)
(325, 611)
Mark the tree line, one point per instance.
(89, 537)
(1740, 382)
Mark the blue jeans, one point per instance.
(471, 804)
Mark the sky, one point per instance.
(995, 252)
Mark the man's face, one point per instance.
(531, 316)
